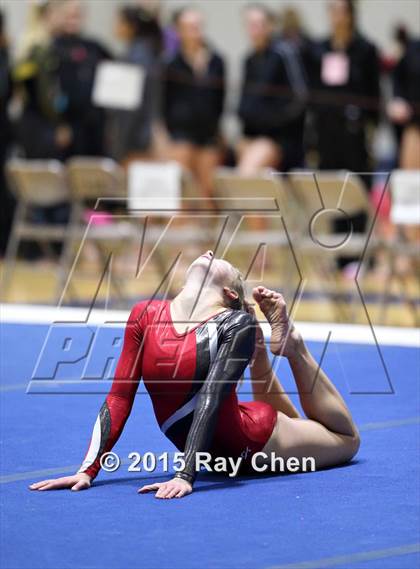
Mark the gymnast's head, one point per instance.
(218, 277)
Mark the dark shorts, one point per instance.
(196, 138)
(291, 149)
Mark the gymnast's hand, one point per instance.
(175, 488)
(80, 481)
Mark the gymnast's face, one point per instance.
(219, 272)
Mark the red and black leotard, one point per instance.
(191, 379)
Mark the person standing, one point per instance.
(78, 58)
(132, 130)
(345, 76)
(6, 200)
(193, 99)
(59, 119)
(272, 101)
(404, 109)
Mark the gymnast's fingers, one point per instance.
(173, 493)
(183, 492)
(38, 485)
(51, 485)
(149, 488)
(81, 485)
(163, 491)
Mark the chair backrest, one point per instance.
(331, 190)
(265, 193)
(405, 193)
(95, 178)
(40, 183)
(340, 190)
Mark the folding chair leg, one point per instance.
(327, 271)
(162, 269)
(47, 250)
(114, 281)
(355, 300)
(66, 256)
(411, 305)
(342, 308)
(12, 250)
(63, 272)
(385, 297)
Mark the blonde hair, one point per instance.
(238, 286)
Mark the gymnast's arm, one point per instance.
(114, 412)
(233, 356)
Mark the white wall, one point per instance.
(224, 20)
(376, 17)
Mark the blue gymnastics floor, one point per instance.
(364, 515)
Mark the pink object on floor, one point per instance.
(383, 207)
(350, 271)
(97, 217)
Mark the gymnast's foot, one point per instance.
(285, 339)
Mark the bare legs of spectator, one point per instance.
(410, 149)
(410, 160)
(256, 154)
(146, 156)
(401, 266)
(201, 161)
(207, 159)
(183, 153)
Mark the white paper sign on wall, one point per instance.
(118, 85)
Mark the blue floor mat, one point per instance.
(364, 515)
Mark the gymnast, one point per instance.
(191, 353)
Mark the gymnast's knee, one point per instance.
(352, 445)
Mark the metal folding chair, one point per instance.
(35, 184)
(405, 215)
(95, 183)
(163, 198)
(101, 182)
(260, 222)
(253, 201)
(323, 197)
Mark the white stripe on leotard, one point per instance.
(94, 446)
(180, 413)
(212, 332)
